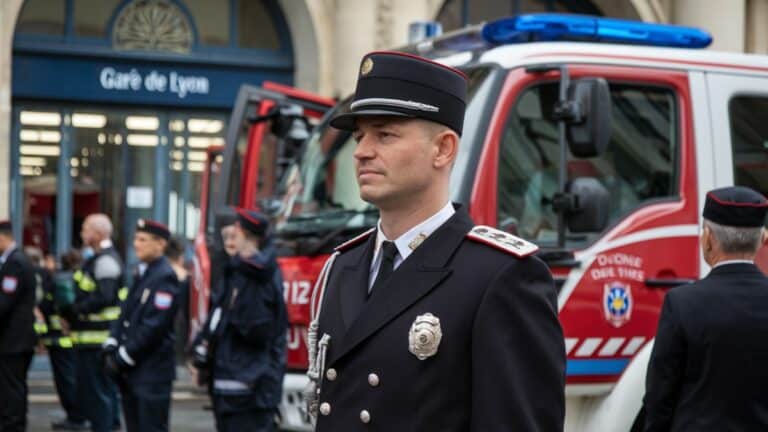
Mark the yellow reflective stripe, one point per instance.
(41, 328)
(55, 322)
(78, 276)
(110, 313)
(63, 342)
(86, 284)
(122, 294)
(89, 336)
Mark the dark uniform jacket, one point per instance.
(145, 332)
(96, 304)
(17, 302)
(250, 339)
(500, 365)
(709, 366)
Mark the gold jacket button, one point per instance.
(373, 380)
(331, 374)
(365, 416)
(325, 408)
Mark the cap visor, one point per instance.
(348, 121)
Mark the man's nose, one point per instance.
(364, 149)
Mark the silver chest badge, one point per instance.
(424, 336)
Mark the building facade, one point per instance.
(109, 105)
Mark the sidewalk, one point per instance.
(187, 413)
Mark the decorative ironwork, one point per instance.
(152, 25)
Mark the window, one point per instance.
(749, 134)
(212, 21)
(256, 27)
(42, 17)
(92, 16)
(638, 166)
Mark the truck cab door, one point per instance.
(612, 286)
(739, 130)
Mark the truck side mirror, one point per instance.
(589, 211)
(589, 127)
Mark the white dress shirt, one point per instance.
(415, 235)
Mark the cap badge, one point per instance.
(366, 67)
(140, 223)
(424, 336)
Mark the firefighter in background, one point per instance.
(17, 333)
(56, 342)
(89, 317)
(139, 354)
(243, 341)
(707, 370)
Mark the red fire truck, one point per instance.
(595, 138)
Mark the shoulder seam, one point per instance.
(354, 241)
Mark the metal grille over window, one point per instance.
(152, 25)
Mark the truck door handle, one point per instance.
(667, 282)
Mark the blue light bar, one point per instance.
(564, 27)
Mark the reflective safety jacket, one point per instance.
(50, 331)
(99, 288)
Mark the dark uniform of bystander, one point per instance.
(246, 334)
(17, 332)
(140, 351)
(707, 370)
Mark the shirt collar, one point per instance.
(735, 261)
(105, 244)
(7, 253)
(412, 238)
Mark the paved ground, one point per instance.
(187, 413)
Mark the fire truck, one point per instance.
(595, 138)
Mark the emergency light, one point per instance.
(563, 27)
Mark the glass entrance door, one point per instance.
(127, 163)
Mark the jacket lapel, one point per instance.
(416, 277)
(353, 278)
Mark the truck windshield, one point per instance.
(321, 191)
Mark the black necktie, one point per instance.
(388, 255)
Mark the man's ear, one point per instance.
(447, 146)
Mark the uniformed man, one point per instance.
(246, 332)
(139, 352)
(708, 365)
(427, 322)
(89, 317)
(17, 332)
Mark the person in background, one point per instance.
(707, 370)
(175, 254)
(139, 353)
(57, 342)
(95, 308)
(17, 331)
(220, 258)
(243, 342)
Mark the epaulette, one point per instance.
(355, 241)
(503, 241)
